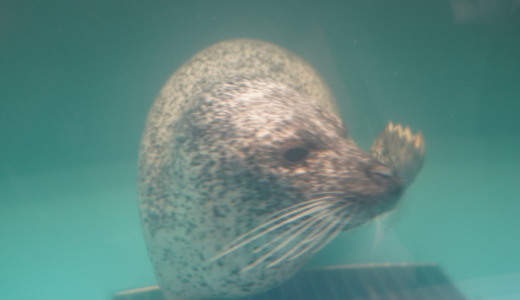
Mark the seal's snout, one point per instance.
(386, 177)
(389, 200)
(384, 189)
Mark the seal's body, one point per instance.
(246, 171)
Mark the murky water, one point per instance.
(77, 79)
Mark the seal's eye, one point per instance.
(296, 154)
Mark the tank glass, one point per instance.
(77, 79)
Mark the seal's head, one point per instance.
(265, 178)
(277, 148)
(245, 171)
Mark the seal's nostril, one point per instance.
(382, 170)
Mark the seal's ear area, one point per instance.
(399, 149)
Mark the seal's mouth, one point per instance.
(384, 202)
(369, 208)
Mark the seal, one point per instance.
(245, 171)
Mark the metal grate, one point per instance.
(358, 282)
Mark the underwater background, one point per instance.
(78, 77)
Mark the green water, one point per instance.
(77, 78)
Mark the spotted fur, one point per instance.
(212, 166)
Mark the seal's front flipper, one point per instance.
(401, 150)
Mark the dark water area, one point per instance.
(78, 77)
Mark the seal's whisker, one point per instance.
(300, 212)
(329, 229)
(329, 193)
(292, 213)
(283, 212)
(320, 230)
(293, 232)
(292, 250)
(334, 216)
(326, 225)
(324, 239)
(300, 228)
(315, 217)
